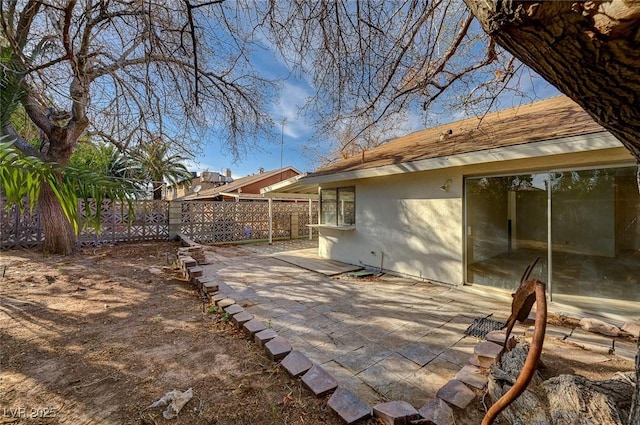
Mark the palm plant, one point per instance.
(23, 177)
(159, 165)
(108, 160)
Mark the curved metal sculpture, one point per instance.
(530, 291)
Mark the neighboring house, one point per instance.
(243, 188)
(476, 201)
(206, 180)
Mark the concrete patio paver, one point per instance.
(387, 338)
(385, 334)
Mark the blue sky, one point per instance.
(289, 137)
(292, 130)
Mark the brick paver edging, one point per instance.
(349, 407)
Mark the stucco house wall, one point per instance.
(406, 224)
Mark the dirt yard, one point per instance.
(97, 337)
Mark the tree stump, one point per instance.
(561, 400)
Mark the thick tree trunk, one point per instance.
(58, 144)
(59, 237)
(634, 417)
(158, 188)
(562, 400)
(590, 51)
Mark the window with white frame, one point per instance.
(338, 206)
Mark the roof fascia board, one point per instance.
(293, 196)
(573, 144)
(281, 184)
(229, 194)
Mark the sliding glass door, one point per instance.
(506, 228)
(596, 238)
(584, 225)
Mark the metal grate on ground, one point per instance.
(481, 326)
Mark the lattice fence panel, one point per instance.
(205, 222)
(149, 221)
(282, 219)
(220, 222)
(302, 209)
(17, 229)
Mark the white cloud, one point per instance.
(293, 96)
(412, 121)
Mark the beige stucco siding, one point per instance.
(406, 224)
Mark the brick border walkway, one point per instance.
(363, 341)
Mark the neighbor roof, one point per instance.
(236, 184)
(549, 119)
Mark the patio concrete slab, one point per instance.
(418, 352)
(386, 338)
(363, 358)
(308, 259)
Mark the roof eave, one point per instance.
(572, 144)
